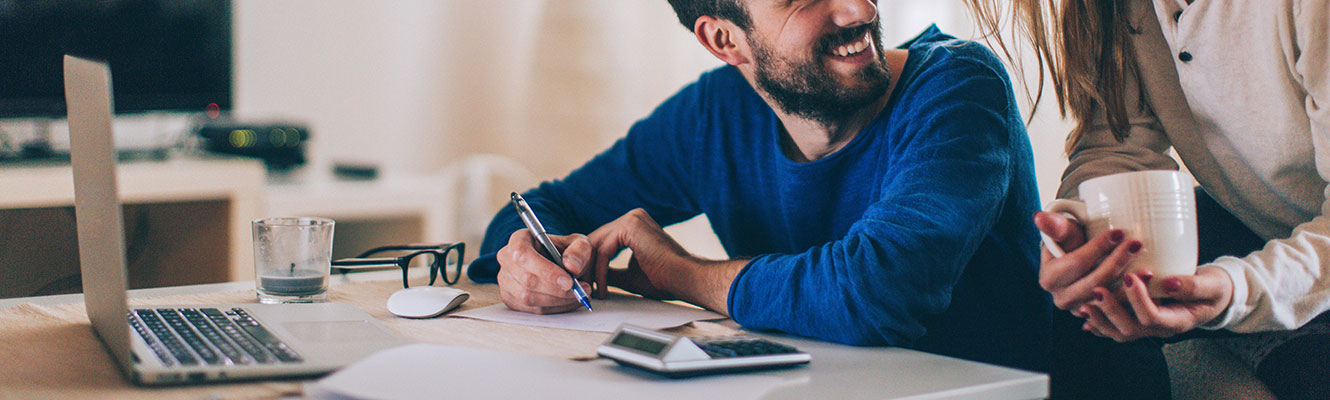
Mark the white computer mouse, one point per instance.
(425, 301)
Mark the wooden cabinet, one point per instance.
(187, 221)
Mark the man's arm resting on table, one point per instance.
(660, 268)
(705, 283)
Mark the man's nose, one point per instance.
(851, 13)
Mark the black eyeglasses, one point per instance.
(444, 256)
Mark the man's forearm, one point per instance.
(706, 283)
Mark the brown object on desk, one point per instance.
(162, 251)
(51, 352)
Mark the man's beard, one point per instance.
(809, 90)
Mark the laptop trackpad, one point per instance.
(335, 331)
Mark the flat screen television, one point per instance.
(165, 55)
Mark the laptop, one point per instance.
(192, 343)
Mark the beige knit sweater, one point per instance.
(1241, 90)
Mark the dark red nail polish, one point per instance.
(1098, 297)
(1172, 285)
(1145, 277)
(1117, 235)
(1126, 282)
(1134, 247)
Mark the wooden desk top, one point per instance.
(49, 351)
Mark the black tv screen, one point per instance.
(165, 55)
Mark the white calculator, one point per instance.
(677, 356)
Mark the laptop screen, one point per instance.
(97, 203)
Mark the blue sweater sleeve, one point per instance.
(650, 168)
(947, 178)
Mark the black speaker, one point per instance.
(279, 145)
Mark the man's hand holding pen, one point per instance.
(529, 282)
(658, 268)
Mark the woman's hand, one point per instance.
(1129, 313)
(1102, 261)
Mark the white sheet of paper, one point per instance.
(429, 371)
(609, 314)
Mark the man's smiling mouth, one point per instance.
(855, 47)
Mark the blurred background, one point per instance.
(417, 85)
(406, 121)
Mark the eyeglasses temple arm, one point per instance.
(359, 262)
(347, 264)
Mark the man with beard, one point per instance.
(867, 196)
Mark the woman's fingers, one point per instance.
(1208, 285)
(1122, 320)
(1069, 235)
(1133, 314)
(1098, 323)
(1062, 271)
(1071, 278)
(1147, 313)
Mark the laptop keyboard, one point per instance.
(195, 336)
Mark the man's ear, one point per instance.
(723, 39)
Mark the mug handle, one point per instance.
(1073, 210)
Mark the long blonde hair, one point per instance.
(1084, 44)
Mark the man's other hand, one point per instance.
(531, 283)
(656, 256)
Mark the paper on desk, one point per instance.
(429, 371)
(609, 314)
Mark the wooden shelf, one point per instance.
(197, 213)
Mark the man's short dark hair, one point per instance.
(690, 10)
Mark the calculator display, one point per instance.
(639, 343)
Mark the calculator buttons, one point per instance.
(678, 356)
(742, 346)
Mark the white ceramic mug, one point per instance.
(1158, 208)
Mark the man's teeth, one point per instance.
(853, 48)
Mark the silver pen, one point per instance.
(552, 253)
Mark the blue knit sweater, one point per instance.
(917, 233)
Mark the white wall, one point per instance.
(412, 84)
(418, 83)
(361, 74)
